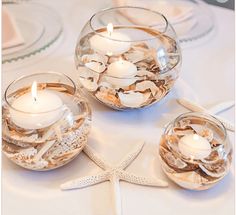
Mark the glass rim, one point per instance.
(129, 7)
(31, 75)
(199, 115)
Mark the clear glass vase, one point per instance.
(125, 63)
(46, 121)
(195, 151)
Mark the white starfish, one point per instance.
(113, 174)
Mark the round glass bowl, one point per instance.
(125, 63)
(195, 151)
(46, 121)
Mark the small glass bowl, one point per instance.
(46, 121)
(125, 63)
(195, 151)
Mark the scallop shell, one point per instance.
(134, 56)
(147, 85)
(171, 160)
(144, 72)
(183, 131)
(133, 99)
(94, 58)
(89, 79)
(215, 170)
(96, 66)
(204, 132)
(108, 97)
(95, 62)
(190, 180)
(162, 91)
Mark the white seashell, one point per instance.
(95, 58)
(144, 72)
(89, 84)
(204, 132)
(95, 62)
(173, 161)
(24, 153)
(89, 79)
(135, 56)
(183, 131)
(105, 84)
(96, 66)
(133, 99)
(147, 85)
(190, 180)
(219, 172)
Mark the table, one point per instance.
(207, 76)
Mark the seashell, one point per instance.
(190, 180)
(143, 46)
(215, 170)
(133, 99)
(96, 66)
(147, 85)
(134, 56)
(184, 123)
(104, 95)
(113, 58)
(95, 62)
(94, 58)
(183, 131)
(162, 91)
(171, 160)
(144, 72)
(89, 79)
(43, 150)
(208, 134)
(204, 132)
(23, 154)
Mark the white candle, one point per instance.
(36, 110)
(123, 72)
(109, 42)
(194, 146)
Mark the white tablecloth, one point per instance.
(207, 75)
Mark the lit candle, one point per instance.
(37, 109)
(123, 72)
(194, 146)
(109, 42)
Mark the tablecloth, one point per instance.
(207, 76)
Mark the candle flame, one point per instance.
(34, 90)
(109, 28)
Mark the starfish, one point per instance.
(113, 174)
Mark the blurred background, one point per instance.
(222, 3)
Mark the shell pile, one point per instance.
(46, 148)
(152, 80)
(190, 173)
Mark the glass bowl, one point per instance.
(125, 63)
(195, 151)
(46, 121)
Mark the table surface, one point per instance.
(207, 76)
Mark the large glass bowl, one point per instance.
(125, 63)
(45, 122)
(195, 151)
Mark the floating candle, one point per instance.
(109, 42)
(37, 109)
(121, 73)
(194, 146)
